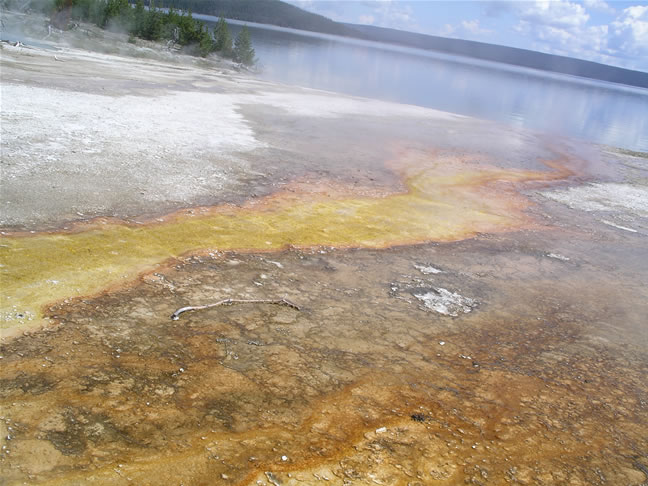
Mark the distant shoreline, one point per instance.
(295, 19)
(396, 47)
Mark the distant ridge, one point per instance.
(273, 12)
(283, 14)
(504, 54)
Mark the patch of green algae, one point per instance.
(48, 267)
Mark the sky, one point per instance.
(612, 32)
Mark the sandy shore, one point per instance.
(472, 297)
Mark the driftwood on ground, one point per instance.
(176, 315)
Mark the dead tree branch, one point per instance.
(285, 302)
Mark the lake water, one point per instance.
(601, 112)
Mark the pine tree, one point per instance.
(140, 19)
(153, 23)
(118, 13)
(223, 38)
(206, 43)
(243, 51)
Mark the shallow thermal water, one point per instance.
(469, 311)
(443, 201)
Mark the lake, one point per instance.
(597, 111)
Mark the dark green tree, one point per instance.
(153, 24)
(119, 14)
(139, 23)
(223, 37)
(206, 43)
(243, 50)
(189, 29)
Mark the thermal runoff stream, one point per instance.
(444, 200)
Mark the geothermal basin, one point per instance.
(470, 298)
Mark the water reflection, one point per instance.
(563, 105)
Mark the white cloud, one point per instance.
(629, 32)
(366, 19)
(561, 27)
(555, 13)
(473, 27)
(393, 14)
(599, 5)
(466, 29)
(636, 12)
(447, 31)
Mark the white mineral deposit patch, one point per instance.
(103, 153)
(325, 105)
(427, 269)
(42, 122)
(603, 197)
(447, 303)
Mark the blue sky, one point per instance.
(613, 32)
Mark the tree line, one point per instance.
(153, 23)
(273, 12)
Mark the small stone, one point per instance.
(381, 430)
(284, 458)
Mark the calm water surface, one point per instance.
(601, 112)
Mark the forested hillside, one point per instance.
(273, 12)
